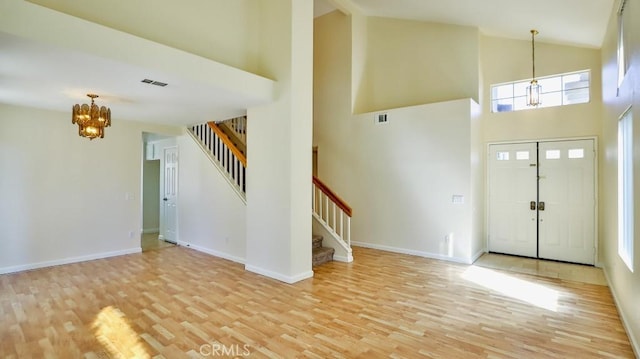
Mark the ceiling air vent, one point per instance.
(153, 82)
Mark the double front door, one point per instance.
(542, 200)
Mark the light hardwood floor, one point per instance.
(150, 242)
(179, 303)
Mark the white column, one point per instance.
(279, 142)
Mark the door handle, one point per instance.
(165, 199)
(532, 205)
(541, 206)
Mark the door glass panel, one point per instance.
(576, 153)
(552, 154)
(502, 156)
(522, 155)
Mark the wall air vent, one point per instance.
(153, 82)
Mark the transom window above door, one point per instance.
(557, 90)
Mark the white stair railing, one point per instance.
(239, 127)
(231, 162)
(333, 212)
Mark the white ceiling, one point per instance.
(39, 75)
(45, 76)
(573, 22)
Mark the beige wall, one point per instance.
(625, 285)
(211, 215)
(505, 60)
(151, 196)
(332, 97)
(412, 62)
(404, 175)
(399, 177)
(220, 30)
(65, 198)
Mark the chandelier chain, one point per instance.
(533, 52)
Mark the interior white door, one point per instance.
(567, 201)
(170, 193)
(512, 189)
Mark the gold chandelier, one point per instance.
(533, 90)
(91, 119)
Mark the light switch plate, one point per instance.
(457, 199)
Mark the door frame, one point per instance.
(163, 224)
(596, 259)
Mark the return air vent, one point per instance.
(381, 118)
(153, 82)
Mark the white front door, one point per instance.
(542, 200)
(170, 193)
(512, 188)
(567, 189)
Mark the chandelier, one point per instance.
(91, 119)
(533, 90)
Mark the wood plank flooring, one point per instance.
(150, 242)
(179, 303)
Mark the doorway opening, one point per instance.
(158, 229)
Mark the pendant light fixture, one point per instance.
(533, 90)
(91, 119)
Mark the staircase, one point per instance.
(320, 254)
(225, 145)
(236, 131)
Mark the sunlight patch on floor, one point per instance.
(114, 332)
(532, 293)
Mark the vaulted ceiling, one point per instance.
(572, 22)
(45, 75)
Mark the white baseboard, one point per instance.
(478, 254)
(69, 260)
(212, 252)
(635, 345)
(346, 259)
(278, 276)
(410, 252)
(150, 230)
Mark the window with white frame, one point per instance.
(625, 189)
(623, 63)
(557, 90)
